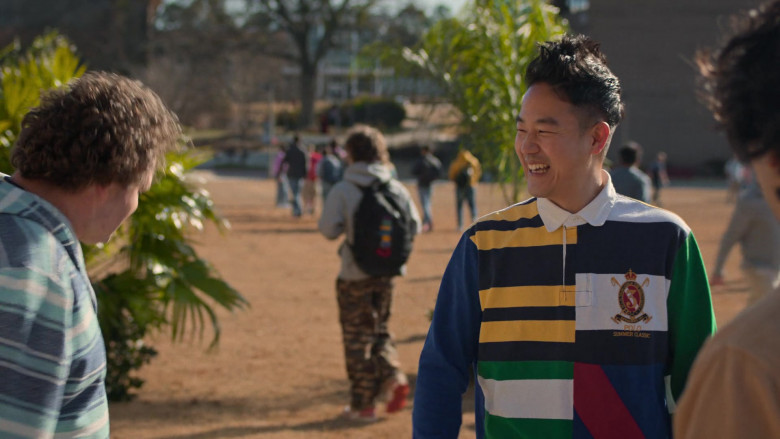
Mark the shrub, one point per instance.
(383, 113)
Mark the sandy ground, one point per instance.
(279, 370)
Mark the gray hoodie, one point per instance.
(342, 202)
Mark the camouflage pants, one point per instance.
(371, 358)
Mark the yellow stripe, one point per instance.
(509, 297)
(528, 330)
(523, 237)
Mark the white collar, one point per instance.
(595, 213)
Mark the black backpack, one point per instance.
(383, 231)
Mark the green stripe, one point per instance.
(497, 427)
(691, 317)
(526, 370)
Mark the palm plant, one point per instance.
(479, 60)
(149, 277)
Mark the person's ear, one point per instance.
(599, 135)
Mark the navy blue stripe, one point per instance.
(86, 401)
(504, 226)
(617, 247)
(617, 348)
(597, 347)
(530, 266)
(18, 320)
(529, 313)
(27, 389)
(526, 351)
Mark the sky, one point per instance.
(429, 5)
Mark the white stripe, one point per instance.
(29, 286)
(31, 373)
(33, 353)
(22, 430)
(537, 399)
(89, 317)
(10, 198)
(91, 429)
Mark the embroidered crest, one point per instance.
(631, 298)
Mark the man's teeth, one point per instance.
(538, 168)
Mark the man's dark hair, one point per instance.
(741, 83)
(366, 144)
(577, 70)
(101, 128)
(629, 153)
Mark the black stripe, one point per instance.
(616, 247)
(596, 347)
(505, 226)
(609, 347)
(517, 266)
(529, 313)
(526, 351)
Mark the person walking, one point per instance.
(753, 226)
(627, 178)
(297, 162)
(311, 181)
(465, 171)
(426, 169)
(659, 177)
(365, 300)
(83, 157)
(279, 172)
(578, 310)
(733, 387)
(330, 169)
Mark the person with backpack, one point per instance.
(378, 218)
(330, 169)
(465, 171)
(426, 169)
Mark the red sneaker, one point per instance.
(398, 399)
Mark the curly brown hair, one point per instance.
(102, 128)
(740, 83)
(366, 144)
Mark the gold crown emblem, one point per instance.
(630, 275)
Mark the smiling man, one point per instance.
(579, 310)
(82, 159)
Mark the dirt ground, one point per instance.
(279, 370)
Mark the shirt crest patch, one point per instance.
(631, 298)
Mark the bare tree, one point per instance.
(312, 25)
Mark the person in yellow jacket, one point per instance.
(465, 171)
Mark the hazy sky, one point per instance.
(454, 5)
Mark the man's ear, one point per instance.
(599, 137)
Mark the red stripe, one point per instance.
(600, 407)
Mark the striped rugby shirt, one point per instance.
(578, 325)
(52, 357)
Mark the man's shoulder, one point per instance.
(509, 215)
(629, 210)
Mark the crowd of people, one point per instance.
(584, 311)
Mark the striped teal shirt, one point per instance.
(52, 357)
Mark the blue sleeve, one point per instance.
(450, 348)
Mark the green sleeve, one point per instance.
(691, 317)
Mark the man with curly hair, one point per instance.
(733, 388)
(82, 159)
(579, 310)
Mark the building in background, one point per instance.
(650, 45)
